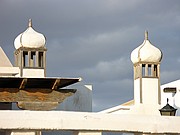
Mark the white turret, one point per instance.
(30, 54)
(146, 61)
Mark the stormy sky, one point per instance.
(93, 39)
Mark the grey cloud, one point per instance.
(172, 75)
(112, 93)
(108, 70)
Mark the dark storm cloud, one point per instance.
(94, 39)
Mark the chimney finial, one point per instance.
(30, 22)
(146, 35)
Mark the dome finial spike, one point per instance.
(30, 22)
(146, 35)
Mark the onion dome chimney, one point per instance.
(30, 38)
(146, 52)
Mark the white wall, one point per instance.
(150, 91)
(174, 98)
(137, 91)
(33, 72)
(80, 101)
(9, 71)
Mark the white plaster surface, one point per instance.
(30, 72)
(4, 60)
(150, 91)
(59, 120)
(118, 110)
(9, 71)
(145, 109)
(150, 97)
(137, 91)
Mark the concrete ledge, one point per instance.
(61, 120)
(9, 71)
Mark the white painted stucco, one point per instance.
(150, 90)
(118, 110)
(137, 91)
(81, 121)
(4, 60)
(30, 72)
(9, 71)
